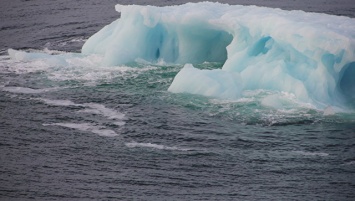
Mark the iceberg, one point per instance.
(310, 55)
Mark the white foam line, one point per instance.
(311, 153)
(153, 146)
(350, 163)
(86, 127)
(92, 108)
(240, 100)
(24, 90)
(103, 111)
(119, 123)
(59, 102)
(80, 39)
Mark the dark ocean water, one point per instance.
(84, 132)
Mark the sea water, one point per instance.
(73, 129)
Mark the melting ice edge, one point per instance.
(308, 55)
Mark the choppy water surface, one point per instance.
(89, 132)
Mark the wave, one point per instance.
(154, 146)
(305, 153)
(26, 90)
(91, 108)
(117, 118)
(87, 127)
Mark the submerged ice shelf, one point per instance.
(308, 55)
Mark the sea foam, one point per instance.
(154, 146)
(87, 127)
